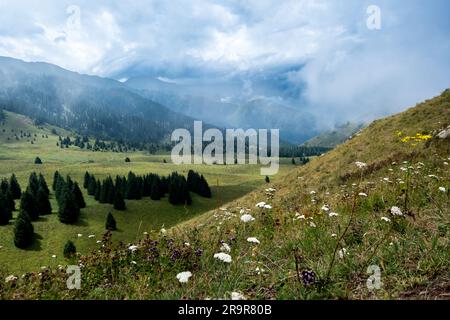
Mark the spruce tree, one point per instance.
(204, 189)
(110, 222)
(56, 177)
(155, 193)
(119, 202)
(78, 196)
(5, 212)
(44, 206)
(23, 231)
(33, 183)
(87, 180)
(267, 179)
(14, 187)
(68, 208)
(43, 184)
(29, 206)
(37, 160)
(60, 185)
(92, 186)
(4, 186)
(10, 201)
(98, 190)
(69, 249)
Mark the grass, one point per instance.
(17, 156)
(297, 233)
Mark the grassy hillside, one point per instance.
(322, 231)
(17, 156)
(331, 139)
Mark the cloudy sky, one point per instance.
(317, 54)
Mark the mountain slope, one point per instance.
(90, 105)
(237, 107)
(331, 139)
(334, 229)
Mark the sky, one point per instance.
(319, 55)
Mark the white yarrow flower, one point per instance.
(442, 189)
(133, 248)
(183, 277)
(360, 164)
(333, 214)
(260, 204)
(223, 257)
(325, 208)
(253, 240)
(343, 252)
(10, 278)
(396, 211)
(225, 247)
(362, 194)
(237, 296)
(247, 218)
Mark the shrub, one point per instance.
(69, 249)
(110, 222)
(23, 231)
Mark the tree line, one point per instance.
(34, 202)
(134, 187)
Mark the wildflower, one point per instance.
(163, 231)
(343, 252)
(260, 204)
(54, 256)
(11, 278)
(133, 262)
(183, 277)
(225, 247)
(396, 211)
(176, 254)
(362, 194)
(132, 248)
(360, 164)
(333, 214)
(237, 296)
(325, 208)
(79, 235)
(433, 176)
(99, 241)
(259, 270)
(308, 277)
(299, 216)
(271, 190)
(247, 218)
(312, 224)
(312, 192)
(442, 189)
(145, 233)
(385, 219)
(91, 236)
(333, 235)
(223, 257)
(198, 252)
(267, 206)
(187, 244)
(253, 240)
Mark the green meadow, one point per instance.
(227, 182)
